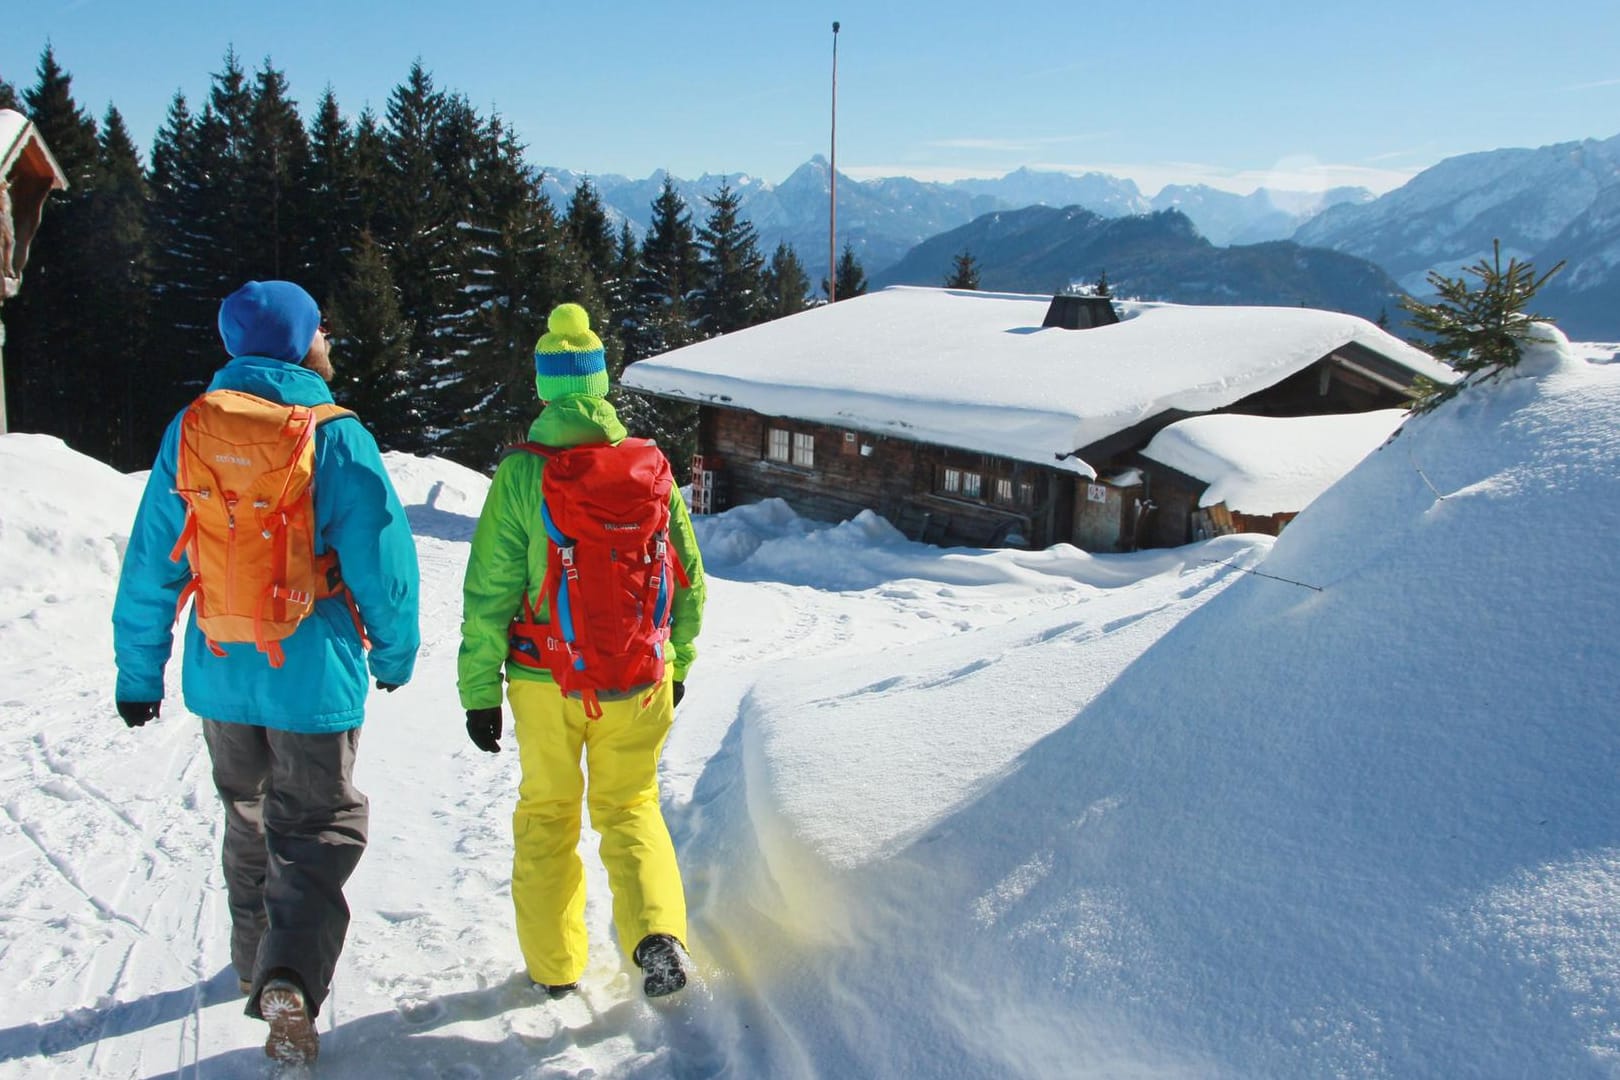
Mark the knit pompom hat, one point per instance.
(568, 358)
(269, 318)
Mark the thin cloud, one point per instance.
(1600, 84)
(1394, 154)
(1011, 146)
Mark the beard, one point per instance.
(321, 364)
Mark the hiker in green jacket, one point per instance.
(621, 734)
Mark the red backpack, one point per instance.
(611, 571)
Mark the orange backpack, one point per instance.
(245, 472)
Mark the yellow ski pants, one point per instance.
(621, 752)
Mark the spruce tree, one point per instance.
(786, 285)
(661, 314)
(417, 220)
(370, 177)
(371, 349)
(185, 295)
(333, 213)
(276, 196)
(526, 266)
(661, 320)
(964, 272)
(730, 290)
(53, 368)
(120, 279)
(590, 231)
(9, 98)
(850, 277)
(230, 224)
(1480, 329)
(619, 292)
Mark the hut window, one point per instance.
(777, 448)
(969, 485)
(791, 447)
(1004, 491)
(1026, 494)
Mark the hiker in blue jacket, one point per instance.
(282, 739)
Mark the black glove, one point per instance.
(678, 688)
(388, 687)
(136, 713)
(484, 728)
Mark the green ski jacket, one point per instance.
(509, 556)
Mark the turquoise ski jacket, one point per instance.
(322, 686)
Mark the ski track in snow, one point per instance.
(136, 981)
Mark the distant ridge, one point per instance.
(1155, 256)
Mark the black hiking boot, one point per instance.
(559, 990)
(663, 961)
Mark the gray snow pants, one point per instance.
(295, 827)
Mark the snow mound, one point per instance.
(66, 517)
(1349, 809)
(1353, 814)
(442, 499)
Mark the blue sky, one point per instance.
(1285, 94)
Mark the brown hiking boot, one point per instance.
(245, 985)
(293, 1039)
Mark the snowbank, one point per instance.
(1361, 822)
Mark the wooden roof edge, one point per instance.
(29, 142)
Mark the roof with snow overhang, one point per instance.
(19, 136)
(976, 370)
(1264, 465)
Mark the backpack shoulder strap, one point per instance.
(330, 411)
(535, 448)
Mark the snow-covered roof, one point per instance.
(17, 132)
(12, 126)
(1268, 464)
(976, 369)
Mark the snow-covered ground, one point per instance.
(941, 813)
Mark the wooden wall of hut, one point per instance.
(853, 471)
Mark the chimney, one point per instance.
(1073, 312)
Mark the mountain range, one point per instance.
(1159, 255)
(1196, 243)
(884, 219)
(1559, 202)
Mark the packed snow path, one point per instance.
(115, 917)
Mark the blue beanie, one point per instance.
(269, 318)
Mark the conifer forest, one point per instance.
(422, 232)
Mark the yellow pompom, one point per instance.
(569, 321)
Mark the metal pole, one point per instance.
(832, 185)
